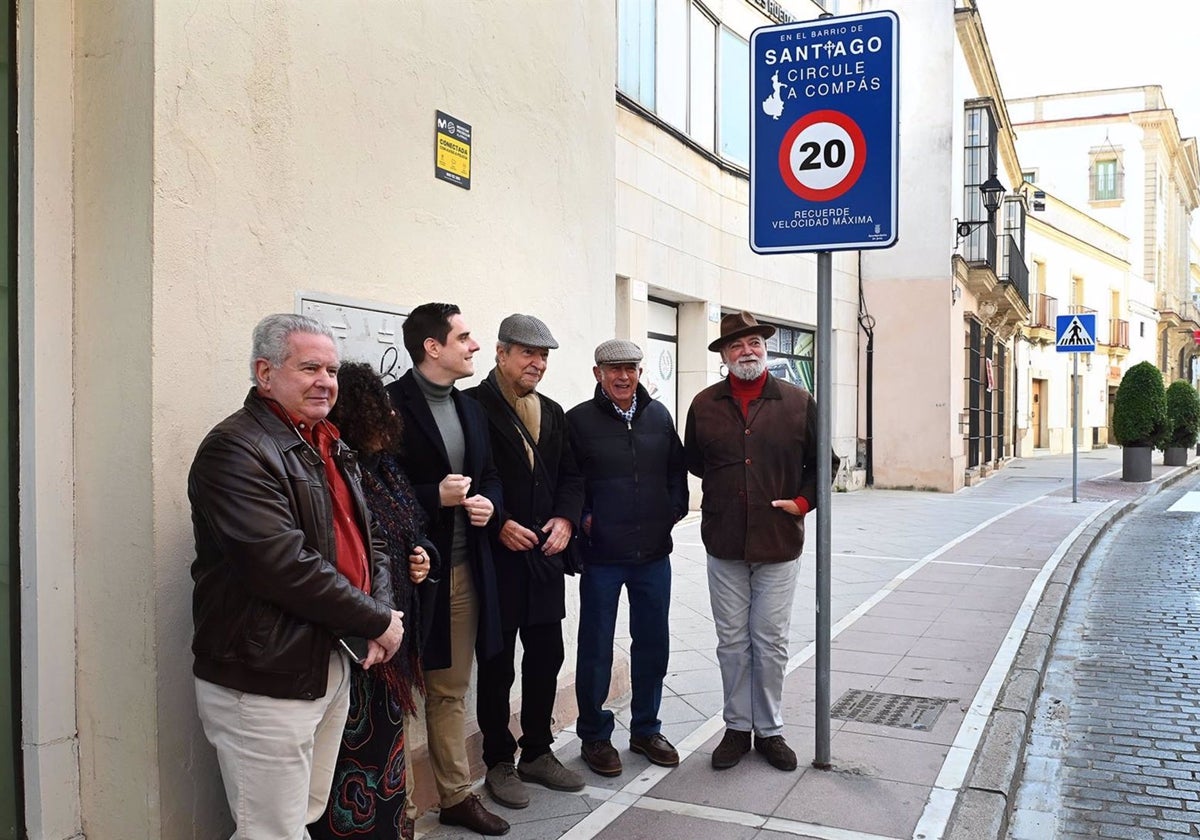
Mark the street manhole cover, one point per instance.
(899, 710)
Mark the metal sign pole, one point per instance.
(1074, 427)
(824, 497)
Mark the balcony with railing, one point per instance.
(1118, 337)
(1043, 313)
(1013, 270)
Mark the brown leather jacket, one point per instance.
(268, 601)
(746, 462)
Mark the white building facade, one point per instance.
(1117, 155)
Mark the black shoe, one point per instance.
(729, 752)
(656, 748)
(601, 757)
(471, 814)
(776, 751)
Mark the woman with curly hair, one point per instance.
(370, 781)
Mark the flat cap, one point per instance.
(617, 351)
(527, 330)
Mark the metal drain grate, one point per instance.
(899, 710)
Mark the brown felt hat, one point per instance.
(737, 324)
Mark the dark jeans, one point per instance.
(649, 588)
(540, 665)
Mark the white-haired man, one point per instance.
(285, 567)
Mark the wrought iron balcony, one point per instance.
(1013, 269)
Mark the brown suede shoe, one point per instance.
(776, 751)
(656, 748)
(729, 752)
(601, 757)
(471, 814)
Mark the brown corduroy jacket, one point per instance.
(746, 462)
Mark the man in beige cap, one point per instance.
(543, 496)
(752, 439)
(632, 461)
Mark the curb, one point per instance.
(983, 806)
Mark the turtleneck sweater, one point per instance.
(445, 415)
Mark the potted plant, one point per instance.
(1139, 419)
(1183, 423)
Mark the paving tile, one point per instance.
(939, 670)
(752, 786)
(855, 802)
(887, 757)
(855, 639)
(642, 824)
(963, 650)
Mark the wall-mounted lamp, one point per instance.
(993, 193)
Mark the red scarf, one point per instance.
(349, 544)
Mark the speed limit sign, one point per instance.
(822, 155)
(824, 132)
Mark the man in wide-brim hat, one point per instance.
(752, 440)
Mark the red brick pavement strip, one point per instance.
(983, 807)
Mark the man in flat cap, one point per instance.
(752, 439)
(636, 490)
(543, 496)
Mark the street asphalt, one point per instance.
(943, 610)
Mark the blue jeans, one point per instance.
(649, 588)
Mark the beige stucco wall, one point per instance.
(227, 157)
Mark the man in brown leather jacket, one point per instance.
(752, 439)
(285, 571)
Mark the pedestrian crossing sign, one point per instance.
(1075, 333)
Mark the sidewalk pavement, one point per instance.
(937, 630)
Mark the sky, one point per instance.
(1063, 46)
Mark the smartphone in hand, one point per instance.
(355, 647)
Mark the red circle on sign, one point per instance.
(815, 118)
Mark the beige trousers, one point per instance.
(277, 756)
(446, 694)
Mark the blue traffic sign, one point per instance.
(1075, 333)
(824, 134)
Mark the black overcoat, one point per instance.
(426, 463)
(530, 594)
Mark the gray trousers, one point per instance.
(752, 609)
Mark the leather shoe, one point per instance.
(729, 752)
(601, 757)
(656, 748)
(471, 814)
(776, 751)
